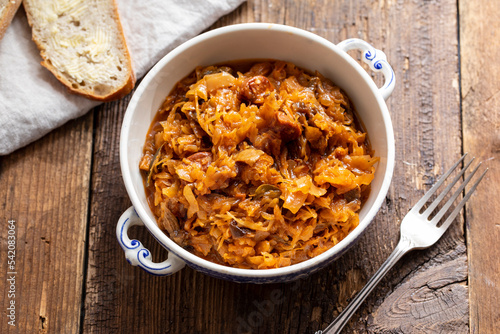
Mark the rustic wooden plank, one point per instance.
(108, 200)
(420, 39)
(479, 33)
(45, 189)
(421, 44)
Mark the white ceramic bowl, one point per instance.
(254, 41)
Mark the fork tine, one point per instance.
(460, 205)
(445, 208)
(431, 191)
(438, 200)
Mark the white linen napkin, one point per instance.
(33, 101)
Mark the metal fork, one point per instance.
(418, 231)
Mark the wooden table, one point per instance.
(64, 194)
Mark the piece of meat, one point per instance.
(287, 127)
(282, 130)
(260, 69)
(302, 108)
(268, 141)
(168, 222)
(204, 159)
(256, 89)
(353, 195)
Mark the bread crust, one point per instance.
(118, 92)
(8, 14)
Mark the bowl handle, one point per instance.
(136, 254)
(377, 61)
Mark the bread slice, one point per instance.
(8, 9)
(82, 44)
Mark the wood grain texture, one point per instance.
(45, 189)
(479, 35)
(68, 185)
(429, 300)
(421, 42)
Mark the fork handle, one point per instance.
(336, 326)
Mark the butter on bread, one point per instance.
(8, 9)
(82, 44)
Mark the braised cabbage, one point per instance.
(258, 165)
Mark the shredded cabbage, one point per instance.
(257, 165)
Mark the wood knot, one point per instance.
(43, 325)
